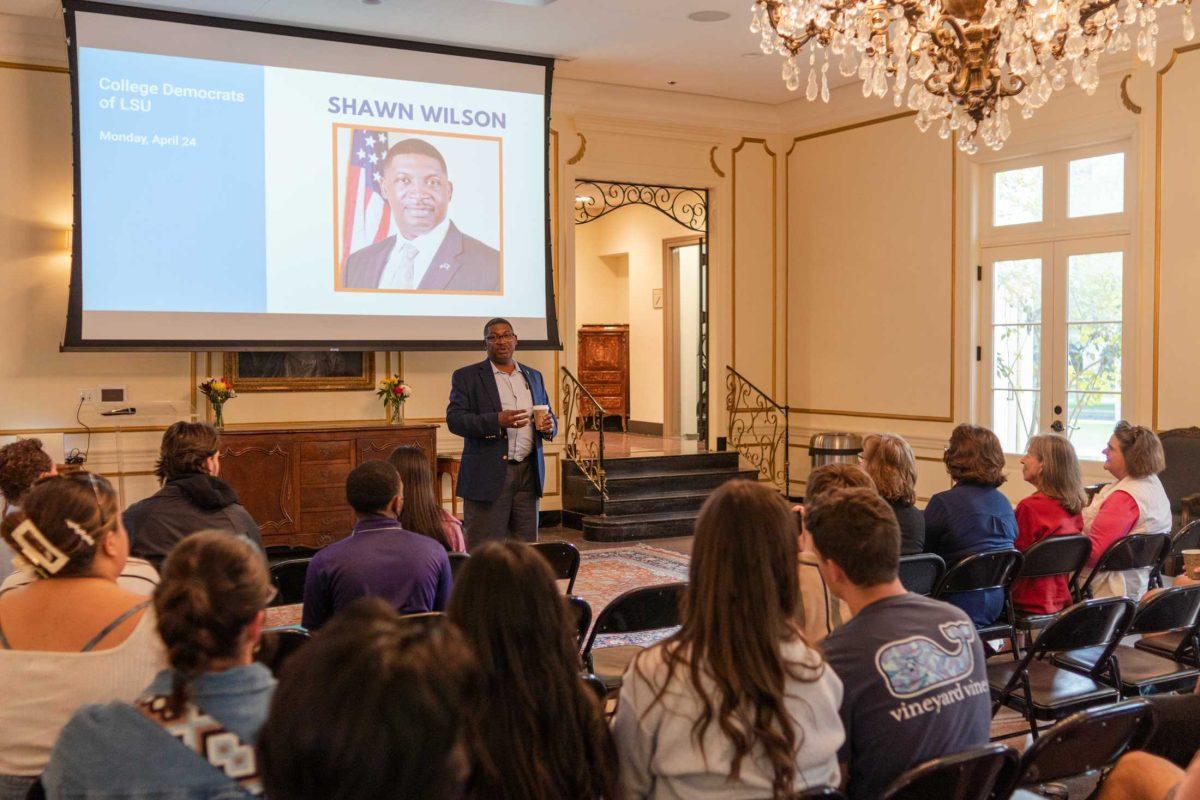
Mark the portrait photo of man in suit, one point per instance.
(428, 252)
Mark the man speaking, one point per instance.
(503, 471)
(430, 252)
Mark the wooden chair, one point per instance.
(448, 466)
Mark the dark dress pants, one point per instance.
(512, 515)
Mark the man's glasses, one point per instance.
(503, 337)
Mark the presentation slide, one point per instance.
(244, 186)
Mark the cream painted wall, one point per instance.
(635, 235)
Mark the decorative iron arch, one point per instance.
(687, 206)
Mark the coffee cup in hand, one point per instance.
(1191, 564)
(540, 413)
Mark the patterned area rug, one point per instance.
(603, 575)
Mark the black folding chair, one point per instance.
(595, 684)
(563, 558)
(1042, 691)
(285, 552)
(1135, 551)
(583, 615)
(1052, 557)
(1186, 538)
(456, 562)
(288, 577)
(646, 609)
(991, 569)
(921, 572)
(971, 775)
(1087, 741)
(1142, 672)
(277, 645)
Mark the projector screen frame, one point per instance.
(73, 340)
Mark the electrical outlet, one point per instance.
(87, 395)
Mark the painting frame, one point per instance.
(249, 377)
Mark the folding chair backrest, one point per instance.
(1090, 623)
(1169, 610)
(583, 614)
(276, 646)
(646, 609)
(921, 572)
(1135, 551)
(283, 552)
(991, 569)
(1186, 538)
(563, 558)
(1056, 555)
(970, 775)
(456, 562)
(1085, 741)
(595, 684)
(288, 577)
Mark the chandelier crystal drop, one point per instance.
(962, 65)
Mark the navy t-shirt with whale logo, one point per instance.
(915, 688)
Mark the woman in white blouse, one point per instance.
(73, 636)
(736, 704)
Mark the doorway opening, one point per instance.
(641, 306)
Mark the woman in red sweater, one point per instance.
(1050, 464)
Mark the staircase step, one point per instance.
(727, 459)
(623, 505)
(638, 526)
(577, 487)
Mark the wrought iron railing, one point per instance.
(757, 429)
(581, 411)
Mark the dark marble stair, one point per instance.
(648, 497)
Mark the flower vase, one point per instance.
(395, 413)
(218, 415)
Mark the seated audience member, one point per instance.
(736, 703)
(192, 498)
(209, 608)
(972, 516)
(537, 731)
(379, 558)
(21, 463)
(1050, 465)
(73, 636)
(372, 709)
(421, 512)
(1134, 503)
(1141, 776)
(912, 668)
(889, 461)
(819, 610)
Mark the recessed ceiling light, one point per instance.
(708, 16)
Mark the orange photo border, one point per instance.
(337, 209)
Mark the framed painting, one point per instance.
(306, 371)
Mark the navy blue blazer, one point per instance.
(473, 413)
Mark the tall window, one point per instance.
(1055, 252)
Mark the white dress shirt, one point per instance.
(426, 245)
(515, 395)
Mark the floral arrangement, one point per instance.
(218, 391)
(393, 391)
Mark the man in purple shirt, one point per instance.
(379, 559)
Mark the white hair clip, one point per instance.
(37, 550)
(81, 532)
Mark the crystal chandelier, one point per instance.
(958, 63)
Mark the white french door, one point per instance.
(1053, 319)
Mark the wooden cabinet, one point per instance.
(292, 479)
(604, 368)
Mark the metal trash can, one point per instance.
(834, 448)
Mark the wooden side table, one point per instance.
(448, 465)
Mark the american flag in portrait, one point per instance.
(366, 218)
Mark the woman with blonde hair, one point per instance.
(736, 703)
(73, 636)
(1134, 503)
(889, 461)
(1051, 466)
